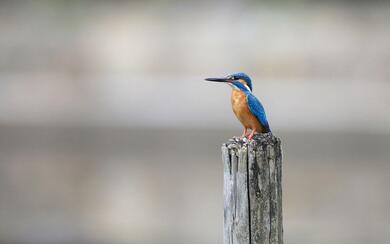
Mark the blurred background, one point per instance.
(108, 133)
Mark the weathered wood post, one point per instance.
(253, 190)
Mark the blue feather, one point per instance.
(257, 109)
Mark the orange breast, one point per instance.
(242, 112)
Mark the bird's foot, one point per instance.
(251, 135)
(243, 134)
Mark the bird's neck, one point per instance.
(238, 90)
(240, 87)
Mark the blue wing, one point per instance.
(257, 109)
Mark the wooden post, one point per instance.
(253, 190)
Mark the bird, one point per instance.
(247, 108)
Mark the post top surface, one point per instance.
(257, 140)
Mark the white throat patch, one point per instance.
(233, 86)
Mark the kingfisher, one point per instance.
(247, 108)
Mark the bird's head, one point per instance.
(238, 80)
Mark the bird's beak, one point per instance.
(217, 79)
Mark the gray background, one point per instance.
(108, 133)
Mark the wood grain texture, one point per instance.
(253, 190)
